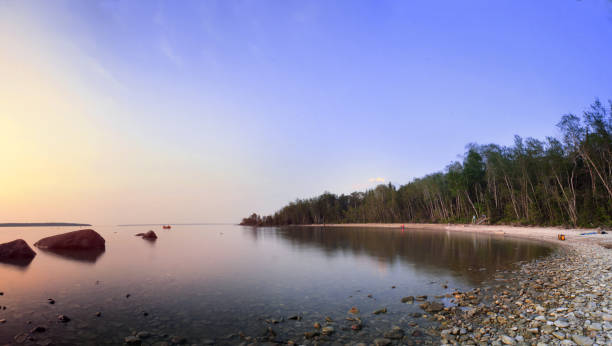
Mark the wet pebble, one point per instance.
(63, 318)
(132, 340)
(38, 329)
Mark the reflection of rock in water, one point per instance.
(21, 263)
(89, 256)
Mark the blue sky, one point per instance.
(238, 106)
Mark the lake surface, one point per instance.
(209, 282)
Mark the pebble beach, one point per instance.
(563, 299)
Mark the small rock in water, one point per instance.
(327, 330)
(150, 235)
(317, 325)
(310, 335)
(295, 317)
(395, 333)
(63, 318)
(328, 319)
(354, 310)
(143, 335)
(178, 340)
(380, 311)
(39, 329)
(432, 307)
(127, 295)
(21, 338)
(2, 320)
(132, 340)
(98, 314)
(51, 301)
(382, 342)
(45, 342)
(408, 299)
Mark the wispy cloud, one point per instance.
(376, 180)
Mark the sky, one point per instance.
(206, 111)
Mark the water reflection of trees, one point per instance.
(472, 255)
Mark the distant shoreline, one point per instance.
(41, 224)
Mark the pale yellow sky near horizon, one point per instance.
(69, 153)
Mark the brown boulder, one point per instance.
(16, 250)
(85, 239)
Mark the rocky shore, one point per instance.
(564, 299)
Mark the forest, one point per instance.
(565, 181)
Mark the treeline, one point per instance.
(565, 181)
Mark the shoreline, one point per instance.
(565, 298)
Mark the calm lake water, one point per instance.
(210, 282)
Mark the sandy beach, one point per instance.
(565, 299)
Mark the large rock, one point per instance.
(16, 250)
(85, 239)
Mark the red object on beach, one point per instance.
(166, 227)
